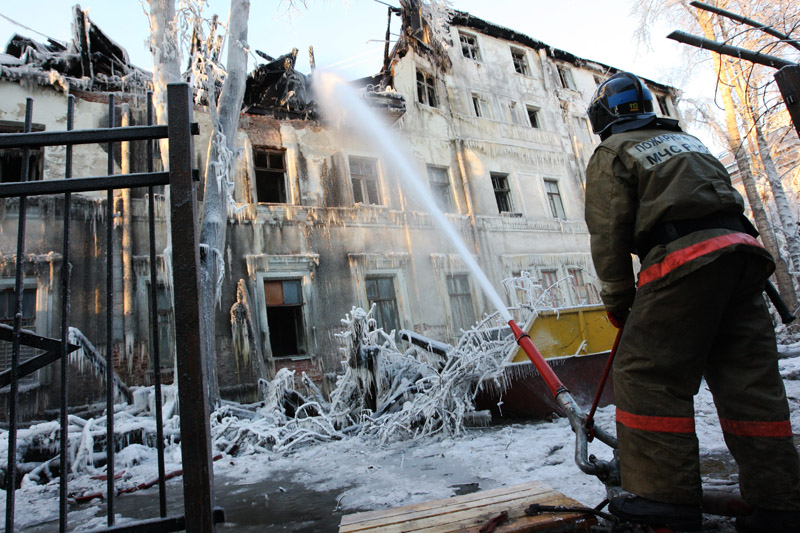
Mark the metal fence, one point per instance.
(199, 512)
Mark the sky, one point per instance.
(349, 34)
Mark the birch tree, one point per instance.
(225, 111)
(736, 81)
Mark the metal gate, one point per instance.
(199, 513)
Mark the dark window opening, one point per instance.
(284, 299)
(270, 172)
(469, 46)
(480, 106)
(502, 193)
(662, 104)
(520, 62)
(364, 175)
(380, 291)
(533, 116)
(11, 159)
(7, 305)
(426, 89)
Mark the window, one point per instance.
(270, 172)
(439, 182)
(7, 304)
(461, 306)
(364, 175)
(284, 299)
(480, 106)
(585, 292)
(520, 62)
(533, 116)
(662, 104)
(502, 194)
(11, 159)
(583, 131)
(426, 89)
(512, 112)
(554, 199)
(380, 291)
(469, 46)
(550, 285)
(165, 327)
(565, 75)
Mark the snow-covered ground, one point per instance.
(365, 474)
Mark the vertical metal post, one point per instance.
(11, 473)
(66, 271)
(198, 474)
(156, 348)
(109, 327)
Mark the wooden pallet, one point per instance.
(470, 512)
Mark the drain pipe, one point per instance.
(605, 471)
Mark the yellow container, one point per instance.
(570, 331)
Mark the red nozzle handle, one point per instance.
(549, 377)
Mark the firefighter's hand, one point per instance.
(617, 318)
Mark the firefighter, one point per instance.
(697, 311)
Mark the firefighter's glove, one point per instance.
(617, 318)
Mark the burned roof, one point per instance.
(90, 61)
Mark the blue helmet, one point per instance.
(621, 98)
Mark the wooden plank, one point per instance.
(470, 512)
(466, 500)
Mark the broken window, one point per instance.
(426, 89)
(520, 61)
(565, 75)
(11, 158)
(550, 284)
(364, 175)
(502, 193)
(439, 181)
(469, 46)
(166, 325)
(533, 116)
(461, 308)
(480, 106)
(554, 199)
(662, 104)
(7, 303)
(284, 299)
(270, 172)
(380, 292)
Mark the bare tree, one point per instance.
(225, 111)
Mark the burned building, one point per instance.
(494, 122)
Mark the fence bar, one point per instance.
(93, 183)
(11, 474)
(198, 473)
(156, 348)
(88, 136)
(109, 326)
(66, 271)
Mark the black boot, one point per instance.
(638, 510)
(769, 521)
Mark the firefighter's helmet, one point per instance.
(621, 98)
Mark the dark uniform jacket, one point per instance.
(637, 180)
